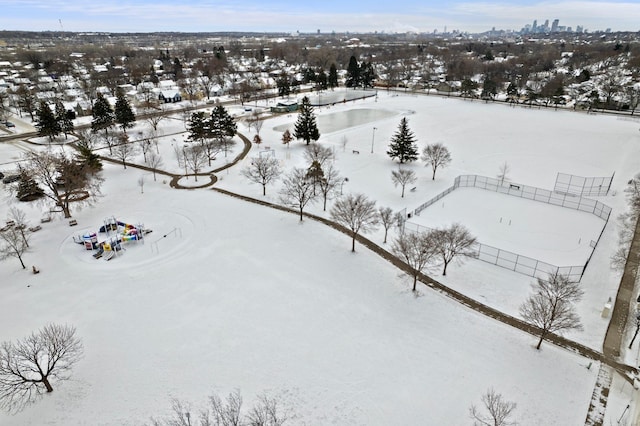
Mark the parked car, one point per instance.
(9, 124)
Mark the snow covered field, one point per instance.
(549, 233)
(246, 297)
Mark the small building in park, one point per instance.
(285, 106)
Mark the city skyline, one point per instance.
(290, 16)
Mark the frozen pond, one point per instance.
(329, 123)
(329, 97)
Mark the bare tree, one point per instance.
(195, 158)
(635, 334)
(110, 140)
(328, 184)
(155, 118)
(403, 178)
(297, 190)
(211, 148)
(63, 180)
(28, 366)
(287, 138)
(357, 213)
(14, 244)
(453, 242)
(154, 161)
(343, 142)
(19, 217)
(227, 413)
(263, 171)
(124, 150)
(550, 307)
(145, 143)
(436, 155)
(267, 411)
(141, 183)
(417, 250)
(503, 172)
(319, 153)
(257, 120)
(388, 219)
(497, 411)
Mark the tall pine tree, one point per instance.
(103, 117)
(353, 73)
(403, 145)
(64, 119)
(221, 125)
(123, 113)
(333, 76)
(305, 127)
(46, 122)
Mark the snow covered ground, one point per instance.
(241, 296)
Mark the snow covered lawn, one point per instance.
(246, 297)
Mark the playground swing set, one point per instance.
(117, 233)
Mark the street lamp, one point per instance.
(373, 138)
(342, 183)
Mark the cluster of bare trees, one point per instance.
(29, 367)
(435, 155)
(425, 249)
(268, 410)
(301, 187)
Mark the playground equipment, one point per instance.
(117, 234)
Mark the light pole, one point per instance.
(373, 138)
(342, 183)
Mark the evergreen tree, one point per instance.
(333, 76)
(64, 119)
(198, 127)
(309, 75)
(222, 127)
(28, 189)
(283, 85)
(46, 122)
(403, 146)
(103, 117)
(123, 113)
(353, 73)
(489, 89)
(87, 157)
(367, 75)
(321, 80)
(221, 124)
(305, 127)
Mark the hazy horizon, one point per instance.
(290, 16)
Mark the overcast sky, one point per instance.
(312, 15)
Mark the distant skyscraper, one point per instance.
(554, 26)
(535, 25)
(545, 27)
(579, 29)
